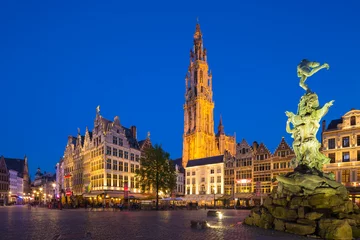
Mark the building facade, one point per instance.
(102, 162)
(341, 143)
(4, 182)
(205, 179)
(15, 187)
(199, 138)
(243, 169)
(14, 178)
(180, 178)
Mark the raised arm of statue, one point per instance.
(322, 111)
(288, 128)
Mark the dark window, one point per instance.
(114, 180)
(108, 150)
(345, 142)
(332, 157)
(132, 156)
(353, 121)
(137, 158)
(121, 183)
(121, 154)
(358, 140)
(108, 180)
(126, 167)
(120, 141)
(126, 155)
(358, 156)
(108, 164)
(345, 156)
(114, 140)
(331, 143)
(115, 165)
(121, 166)
(114, 152)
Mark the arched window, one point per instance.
(201, 76)
(353, 121)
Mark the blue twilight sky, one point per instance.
(60, 59)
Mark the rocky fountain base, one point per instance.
(308, 202)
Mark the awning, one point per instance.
(225, 197)
(88, 195)
(244, 195)
(207, 197)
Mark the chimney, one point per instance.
(255, 145)
(133, 131)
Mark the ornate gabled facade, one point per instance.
(281, 160)
(103, 160)
(262, 169)
(199, 139)
(244, 169)
(341, 143)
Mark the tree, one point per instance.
(156, 171)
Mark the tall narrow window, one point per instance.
(108, 180)
(353, 121)
(332, 157)
(114, 140)
(121, 168)
(108, 164)
(115, 165)
(346, 156)
(345, 142)
(126, 167)
(331, 143)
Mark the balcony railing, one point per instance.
(342, 165)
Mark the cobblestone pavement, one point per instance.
(18, 222)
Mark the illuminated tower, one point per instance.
(199, 137)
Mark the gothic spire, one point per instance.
(198, 52)
(221, 126)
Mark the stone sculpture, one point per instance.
(308, 201)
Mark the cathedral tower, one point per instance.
(199, 136)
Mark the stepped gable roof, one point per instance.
(132, 141)
(205, 161)
(107, 124)
(90, 135)
(262, 149)
(15, 164)
(333, 124)
(143, 144)
(245, 144)
(283, 145)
